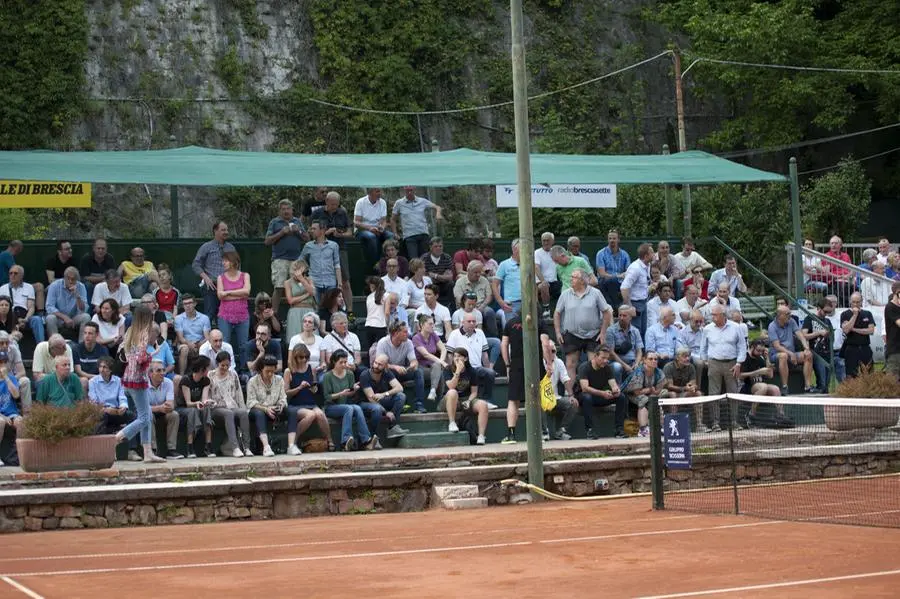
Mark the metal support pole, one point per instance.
(173, 207)
(670, 216)
(656, 469)
(433, 195)
(530, 350)
(798, 235)
(682, 139)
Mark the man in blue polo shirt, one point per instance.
(324, 259)
(611, 263)
(784, 332)
(286, 235)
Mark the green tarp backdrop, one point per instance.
(209, 167)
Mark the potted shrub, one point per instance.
(868, 384)
(56, 438)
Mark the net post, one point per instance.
(732, 419)
(656, 470)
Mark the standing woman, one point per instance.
(300, 387)
(233, 289)
(300, 294)
(134, 380)
(377, 310)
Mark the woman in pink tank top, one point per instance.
(233, 289)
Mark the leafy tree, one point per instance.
(836, 202)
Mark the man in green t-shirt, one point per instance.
(566, 263)
(63, 389)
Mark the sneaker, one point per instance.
(784, 391)
(248, 453)
(375, 443)
(191, 455)
(2, 464)
(620, 434)
(810, 389)
(491, 405)
(702, 428)
(350, 444)
(545, 436)
(421, 410)
(480, 440)
(134, 456)
(208, 452)
(267, 452)
(294, 450)
(562, 435)
(432, 395)
(154, 459)
(396, 431)
(453, 427)
(589, 433)
(715, 428)
(174, 455)
(644, 431)
(508, 440)
(237, 453)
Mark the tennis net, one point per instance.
(786, 458)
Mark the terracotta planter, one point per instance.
(846, 418)
(85, 453)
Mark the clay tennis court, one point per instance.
(611, 548)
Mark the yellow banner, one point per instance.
(44, 194)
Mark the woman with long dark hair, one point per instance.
(137, 362)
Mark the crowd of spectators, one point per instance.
(437, 331)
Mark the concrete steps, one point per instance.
(457, 497)
(433, 439)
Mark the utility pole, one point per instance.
(682, 139)
(670, 216)
(798, 235)
(530, 350)
(433, 194)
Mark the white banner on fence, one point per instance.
(560, 195)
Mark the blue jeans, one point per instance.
(618, 371)
(823, 371)
(262, 421)
(144, 420)
(484, 378)
(210, 304)
(489, 322)
(418, 377)
(371, 244)
(241, 329)
(840, 369)
(349, 413)
(139, 286)
(36, 324)
(640, 319)
(493, 349)
(589, 402)
(373, 413)
(320, 291)
(611, 289)
(416, 245)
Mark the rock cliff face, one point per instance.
(162, 73)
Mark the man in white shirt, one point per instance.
(370, 220)
(723, 299)
(635, 286)
(468, 302)
(688, 259)
(394, 284)
(473, 340)
(112, 287)
(724, 350)
(440, 312)
(341, 338)
(216, 343)
(690, 302)
(663, 299)
(555, 423)
(22, 295)
(545, 269)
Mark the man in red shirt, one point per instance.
(840, 279)
(462, 258)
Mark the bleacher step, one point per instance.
(441, 439)
(466, 503)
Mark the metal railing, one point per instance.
(860, 272)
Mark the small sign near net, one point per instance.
(677, 441)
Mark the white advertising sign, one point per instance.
(560, 195)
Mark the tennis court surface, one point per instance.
(615, 548)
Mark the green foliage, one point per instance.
(43, 45)
(247, 9)
(233, 72)
(54, 424)
(12, 223)
(836, 202)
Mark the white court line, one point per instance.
(21, 587)
(774, 585)
(314, 558)
(43, 558)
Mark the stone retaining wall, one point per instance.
(388, 491)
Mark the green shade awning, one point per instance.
(209, 167)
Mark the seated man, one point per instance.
(755, 371)
(691, 337)
(722, 298)
(439, 267)
(681, 381)
(216, 343)
(645, 382)
(663, 337)
(562, 415)
(255, 350)
(159, 317)
(730, 275)
(87, 354)
(580, 320)
(440, 312)
(460, 380)
(662, 299)
(23, 296)
(67, 304)
(56, 265)
(468, 307)
(370, 221)
(599, 389)
(475, 282)
(9, 393)
(394, 283)
(161, 351)
(112, 287)
(140, 275)
(162, 405)
(462, 259)
(384, 397)
(107, 391)
(16, 367)
(690, 302)
(402, 361)
(45, 355)
(62, 388)
(473, 340)
(624, 343)
(93, 265)
(783, 333)
(191, 331)
(340, 337)
(573, 244)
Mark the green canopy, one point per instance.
(209, 167)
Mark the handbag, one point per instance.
(548, 397)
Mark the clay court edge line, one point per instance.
(313, 558)
(21, 587)
(44, 558)
(774, 585)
